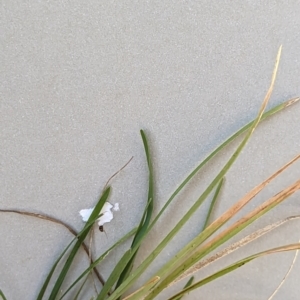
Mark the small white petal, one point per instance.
(85, 213)
(116, 207)
(106, 207)
(105, 218)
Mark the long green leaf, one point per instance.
(240, 263)
(145, 219)
(76, 247)
(80, 289)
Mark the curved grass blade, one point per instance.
(146, 218)
(97, 261)
(285, 276)
(240, 263)
(94, 215)
(118, 292)
(80, 289)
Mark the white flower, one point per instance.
(106, 213)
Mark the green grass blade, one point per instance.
(213, 202)
(240, 263)
(189, 283)
(48, 278)
(80, 289)
(139, 294)
(144, 223)
(2, 295)
(94, 215)
(98, 260)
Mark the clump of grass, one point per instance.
(197, 253)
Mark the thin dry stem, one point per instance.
(116, 173)
(286, 275)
